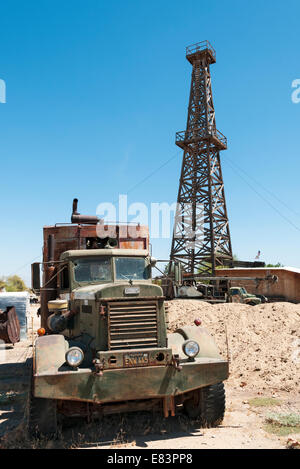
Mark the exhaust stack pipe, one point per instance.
(75, 205)
(83, 219)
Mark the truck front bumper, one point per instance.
(118, 385)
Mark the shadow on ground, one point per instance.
(132, 429)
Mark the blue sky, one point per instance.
(96, 91)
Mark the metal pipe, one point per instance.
(51, 245)
(75, 204)
(82, 219)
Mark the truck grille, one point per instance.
(132, 325)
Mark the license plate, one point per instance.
(136, 359)
(132, 290)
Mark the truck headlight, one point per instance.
(74, 356)
(190, 348)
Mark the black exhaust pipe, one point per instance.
(75, 205)
(51, 248)
(83, 219)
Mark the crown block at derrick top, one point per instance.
(201, 50)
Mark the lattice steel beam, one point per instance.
(201, 238)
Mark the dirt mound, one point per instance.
(264, 340)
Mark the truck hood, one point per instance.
(116, 290)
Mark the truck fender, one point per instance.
(208, 347)
(49, 354)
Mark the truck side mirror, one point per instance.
(35, 276)
(153, 261)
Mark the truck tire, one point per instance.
(208, 405)
(252, 303)
(42, 418)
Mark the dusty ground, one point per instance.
(265, 363)
(264, 344)
(243, 427)
(15, 378)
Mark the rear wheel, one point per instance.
(43, 418)
(208, 405)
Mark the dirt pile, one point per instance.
(264, 340)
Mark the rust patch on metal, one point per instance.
(9, 326)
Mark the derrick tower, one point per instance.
(201, 237)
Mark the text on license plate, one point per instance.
(136, 359)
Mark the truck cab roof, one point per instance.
(104, 252)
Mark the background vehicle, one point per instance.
(240, 295)
(179, 284)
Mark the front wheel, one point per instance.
(207, 404)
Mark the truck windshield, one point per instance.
(93, 270)
(131, 268)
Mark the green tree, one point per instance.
(275, 265)
(2, 283)
(15, 283)
(166, 269)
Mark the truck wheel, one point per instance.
(43, 418)
(207, 404)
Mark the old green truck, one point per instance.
(240, 295)
(103, 345)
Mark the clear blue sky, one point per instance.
(96, 91)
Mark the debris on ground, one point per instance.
(292, 444)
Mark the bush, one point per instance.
(13, 283)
